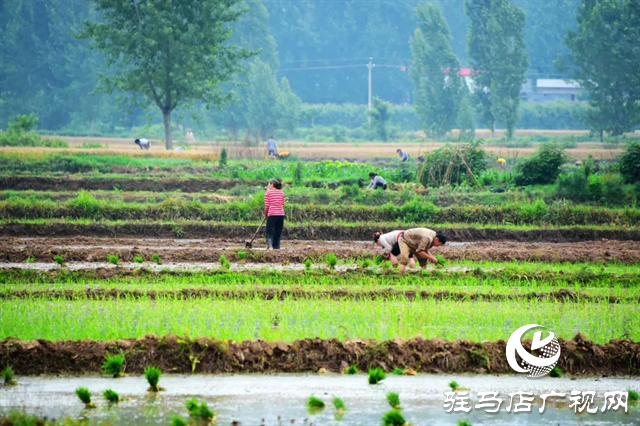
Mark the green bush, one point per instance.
(451, 164)
(541, 168)
(573, 186)
(630, 162)
(222, 161)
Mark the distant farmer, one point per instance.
(190, 136)
(143, 143)
(377, 181)
(271, 146)
(389, 244)
(274, 212)
(418, 241)
(404, 157)
(420, 159)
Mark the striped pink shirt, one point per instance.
(274, 203)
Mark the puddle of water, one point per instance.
(280, 398)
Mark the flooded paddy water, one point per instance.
(280, 399)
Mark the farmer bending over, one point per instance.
(418, 241)
(274, 212)
(404, 157)
(377, 181)
(389, 244)
(143, 143)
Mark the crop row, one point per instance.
(288, 320)
(85, 206)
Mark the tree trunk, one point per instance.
(167, 130)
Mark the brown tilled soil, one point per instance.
(177, 355)
(562, 295)
(91, 249)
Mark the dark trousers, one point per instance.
(274, 231)
(380, 185)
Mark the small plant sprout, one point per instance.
(200, 412)
(113, 365)
(7, 376)
(155, 258)
(332, 260)
(454, 385)
(393, 418)
(307, 265)
(386, 265)
(366, 263)
(463, 423)
(58, 259)
(398, 371)
(242, 255)
(111, 396)
(113, 258)
(634, 396)
(339, 404)
(376, 375)
(441, 260)
(31, 259)
(153, 377)
(138, 259)
(178, 421)
(224, 262)
(556, 372)
(85, 396)
(315, 405)
(394, 400)
(352, 369)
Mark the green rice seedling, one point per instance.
(441, 260)
(178, 421)
(339, 404)
(352, 369)
(634, 396)
(464, 423)
(454, 385)
(315, 402)
(394, 400)
(155, 258)
(376, 375)
(398, 371)
(137, 259)
(242, 255)
(58, 259)
(224, 262)
(200, 412)
(386, 265)
(31, 259)
(8, 376)
(378, 259)
(113, 258)
(85, 396)
(307, 265)
(556, 372)
(366, 263)
(393, 418)
(332, 260)
(153, 377)
(111, 396)
(113, 365)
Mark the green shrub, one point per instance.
(541, 168)
(376, 375)
(111, 396)
(573, 186)
(222, 161)
(448, 165)
(113, 365)
(630, 162)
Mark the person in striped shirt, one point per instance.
(274, 212)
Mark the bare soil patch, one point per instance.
(176, 354)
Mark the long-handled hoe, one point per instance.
(248, 243)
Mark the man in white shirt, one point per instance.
(143, 143)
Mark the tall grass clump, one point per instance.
(394, 400)
(200, 412)
(8, 376)
(111, 396)
(393, 418)
(332, 260)
(85, 396)
(152, 375)
(113, 365)
(376, 375)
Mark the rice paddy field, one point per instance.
(143, 256)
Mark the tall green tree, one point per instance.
(380, 117)
(437, 86)
(604, 58)
(289, 106)
(167, 52)
(262, 101)
(499, 59)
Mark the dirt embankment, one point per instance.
(562, 295)
(301, 232)
(154, 185)
(89, 249)
(178, 355)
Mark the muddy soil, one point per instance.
(90, 249)
(175, 354)
(154, 185)
(562, 295)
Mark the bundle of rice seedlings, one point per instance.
(85, 396)
(376, 375)
(394, 400)
(111, 396)
(200, 412)
(153, 377)
(113, 365)
(7, 376)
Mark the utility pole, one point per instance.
(370, 66)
